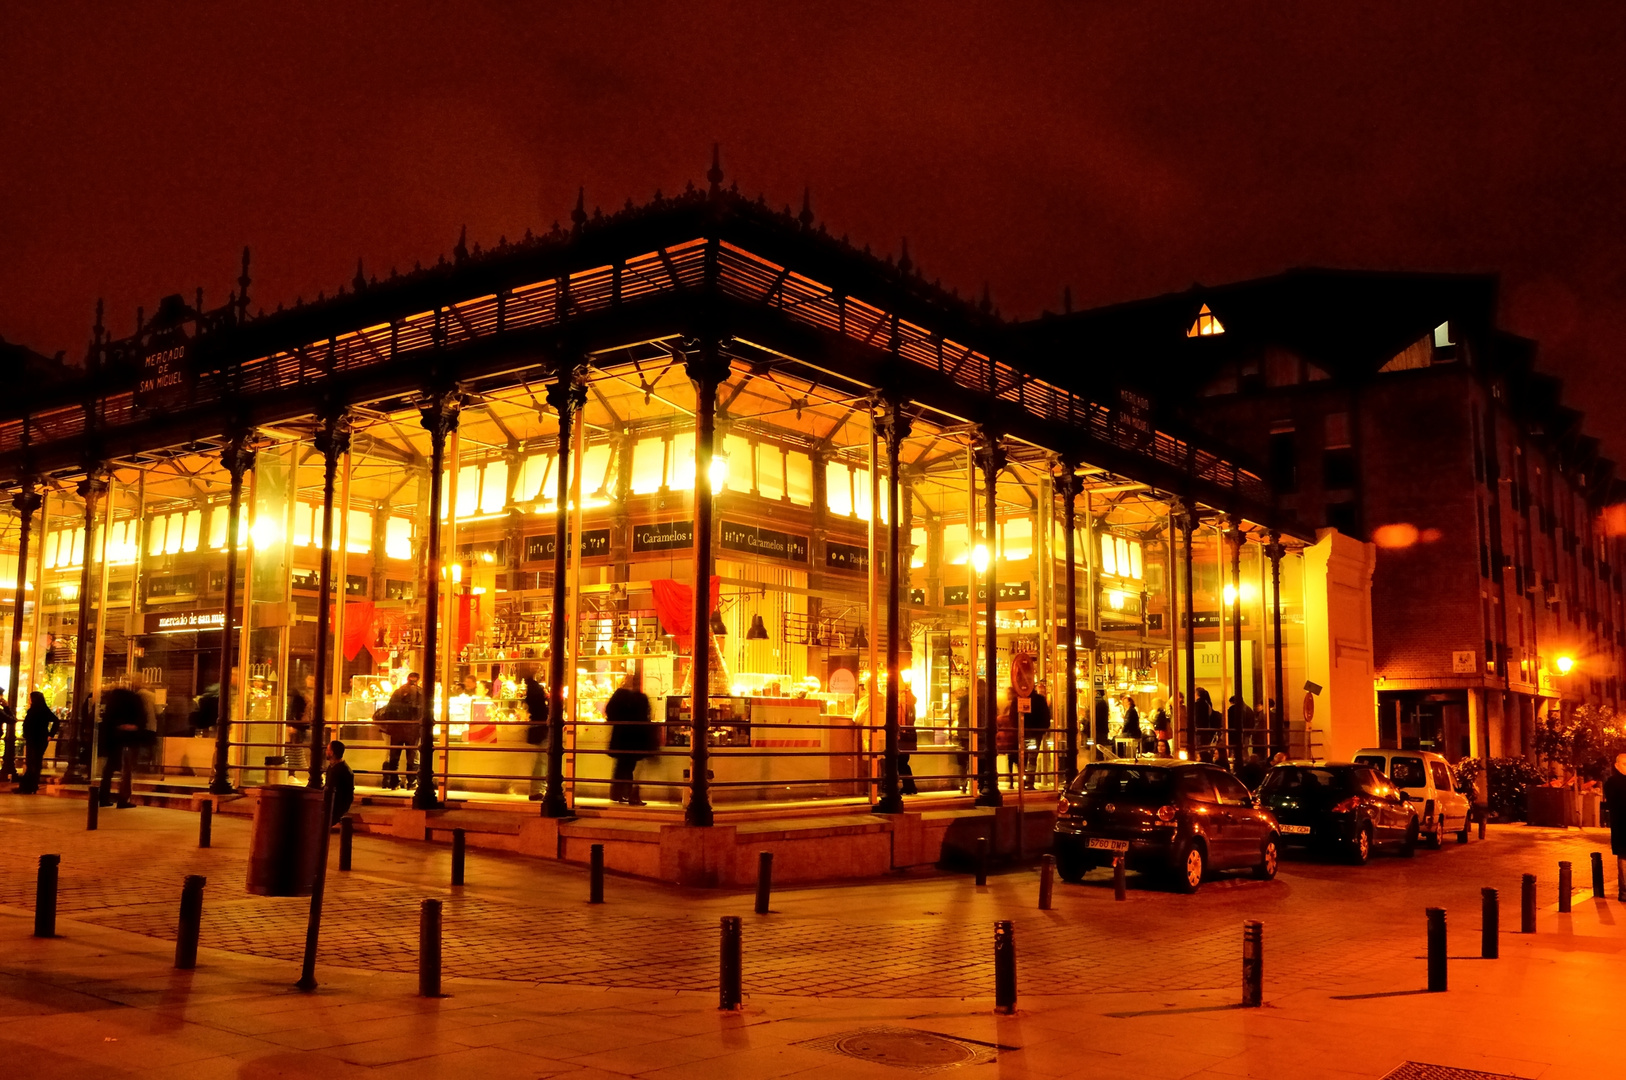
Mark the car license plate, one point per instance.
(1296, 830)
(1120, 846)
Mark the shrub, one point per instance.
(1511, 779)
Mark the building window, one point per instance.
(1284, 459)
(1205, 325)
(1341, 516)
(1338, 458)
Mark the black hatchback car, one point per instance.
(1176, 818)
(1342, 807)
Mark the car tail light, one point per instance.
(1168, 813)
(1347, 806)
(1064, 806)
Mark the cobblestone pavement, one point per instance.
(907, 936)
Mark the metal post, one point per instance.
(872, 583)
(36, 654)
(238, 459)
(1278, 715)
(566, 395)
(895, 427)
(730, 962)
(1436, 950)
(992, 459)
(439, 416)
(206, 814)
(973, 703)
(1253, 964)
(1067, 486)
(91, 488)
(1565, 887)
(1004, 967)
(1490, 924)
(1597, 875)
(45, 896)
(707, 370)
(1239, 751)
(1120, 887)
(447, 616)
(332, 441)
(1527, 904)
(458, 840)
(26, 501)
(1189, 522)
(313, 921)
(186, 937)
(347, 830)
(982, 861)
(429, 949)
(1047, 880)
(595, 874)
(764, 880)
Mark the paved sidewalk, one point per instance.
(542, 984)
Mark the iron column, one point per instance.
(1278, 715)
(991, 458)
(332, 441)
(91, 489)
(566, 395)
(438, 415)
(1236, 538)
(27, 500)
(1067, 487)
(1188, 523)
(707, 369)
(238, 458)
(895, 428)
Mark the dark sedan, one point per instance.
(1175, 818)
(1341, 807)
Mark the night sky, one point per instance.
(1124, 149)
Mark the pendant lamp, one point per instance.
(718, 627)
(758, 631)
(861, 638)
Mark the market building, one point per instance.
(699, 448)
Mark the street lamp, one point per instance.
(979, 558)
(1563, 664)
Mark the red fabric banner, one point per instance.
(674, 604)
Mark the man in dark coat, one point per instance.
(536, 732)
(124, 719)
(40, 725)
(1614, 796)
(402, 721)
(633, 737)
(340, 780)
(1103, 718)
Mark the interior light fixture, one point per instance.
(718, 472)
(718, 627)
(979, 558)
(758, 631)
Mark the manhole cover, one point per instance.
(1417, 1070)
(906, 1048)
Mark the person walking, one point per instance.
(1238, 720)
(962, 734)
(297, 737)
(536, 733)
(39, 728)
(340, 780)
(1103, 721)
(908, 741)
(1614, 797)
(1035, 729)
(402, 721)
(632, 737)
(124, 718)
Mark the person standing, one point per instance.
(39, 728)
(632, 737)
(962, 734)
(1614, 797)
(340, 780)
(403, 720)
(536, 733)
(908, 741)
(1103, 720)
(296, 751)
(1035, 729)
(1131, 732)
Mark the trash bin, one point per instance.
(288, 823)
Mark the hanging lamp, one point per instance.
(758, 631)
(718, 627)
(861, 638)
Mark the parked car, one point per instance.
(1339, 806)
(1430, 782)
(1179, 819)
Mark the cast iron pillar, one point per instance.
(567, 394)
(438, 414)
(1188, 524)
(895, 429)
(238, 457)
(991, 459)
(1278, 716)
(1236, 735)
(26, 501)
(333, 442)
(1067, 488)
(91, 490)
(707, 369)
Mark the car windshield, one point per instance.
(1296, 779)
(1134, 784)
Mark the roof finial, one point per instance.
(715, 173)
(578, 216)
(360, 280)
(806, 216)
(461, 251)
(1066, 299)
(903, 260)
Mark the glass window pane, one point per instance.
(648, 461)
(1109, 555)
(799, 478)
(398, 538)
(1134, 560)
(770, 471)
(494, 488)
(838, 488)
(680, 468)
(917, 538)
(954, 543)
(360, 540)
(596, 476)
(219, 516)
(1018, 538)
(468, 490)
(739, 463)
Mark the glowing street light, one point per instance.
(979, 557)
(718, 472)
(1563, 664)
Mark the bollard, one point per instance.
(764, 880)
(1436, 950)
(458, 841)
(595, 874)
(347, 835)
(45, 897)
(429, 949)
(1565, 887)
(1253, 964)
(93, 811)
(982, 861)
(1490, 924)
(1597, 875)
(730, 962)
(1004, 967)
(1527, 904)
(1483, 812)
(1620, 879)
(186, 938)
(206, 822)
(1119, 886)
(1047, 880)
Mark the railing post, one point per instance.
(1120, 889)
(429, 949)
(1004, 967)
(1566, 886)
(1047, 880)
(1597, 876)
(982, 861)
(764, 880)
(347, 830)
(186, 938)
(1436, 950)
(1253, 964)
(595, 874)
(206, 814)
(458, 841)
(45, 896)
(1490, 924)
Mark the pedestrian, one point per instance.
(1614, 797)
(205, 709)
(1162, 731)
(124, 718)
(908, 742)
(39, 728)
(536, 732)
(340, 780)
(1238, 720)
(1202, 712)
(962, 734)
(1035, 729)
(296, 751)
(402, 721)
(1131, 732)
(633, 737)
(1103, 720)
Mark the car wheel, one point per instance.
(1361, 850)
(1268, 858)
(1462, 837)
(1070, 867)
(1193, 865)
(1436, 839)
(1408, 846)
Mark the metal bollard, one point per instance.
(93, 811)
(1253, 964)
(595, 874)
(1436, 950)
(1004, 967)
(458, 841)
(1566, 886)
(1484, 812)
(1120, 890)
(45, 897)
(347, 835)
(1597, 876)
(206, 822)
(764, 880)
(1047, 880)
(1490, 924)
(186, 937)
(982, 861)
(1527, 904)
(730, 963)
(429, 949)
